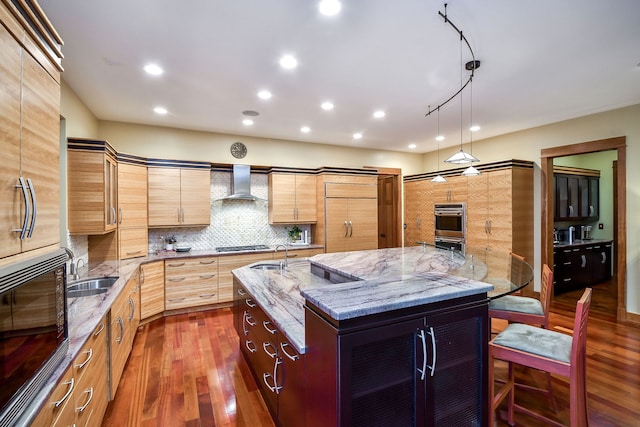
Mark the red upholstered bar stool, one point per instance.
(519, 309)
(549, 351)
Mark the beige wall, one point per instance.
(526, 145)
(80, 121)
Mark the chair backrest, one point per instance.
(516, 268)
(579, 344)
(546, 289)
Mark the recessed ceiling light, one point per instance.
(474, 128)
(160, 110)
(439, 138)
(412, 146)
(379, 114)
(288, 62)
(247, 122)
(264, 94)
(153, 69)
(357, 135)
(305, 129)
(327, 105)
(329, 7)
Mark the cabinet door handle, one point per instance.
(604, 257)
(245, 315)
(265, 377)
(350, 228)
(271, 354)
(283, 346)
(252, 350)
(570, 210)
(87, 360)
(132, 305)
(584, 261)
(57, 403)
(182, 215)
(99, 331)
(423, 371)
(141, 275)
(266, 325)
(34, 203)
(591, 211)
(83, 407)
(27, 209)
(346, 229)
(120, 215)
(433, 351)
(114, 216)
(121, 324)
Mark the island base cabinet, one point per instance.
(419, 370)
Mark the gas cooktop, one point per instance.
(241, 248)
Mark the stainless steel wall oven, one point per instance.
(450, 225)
(33, 331)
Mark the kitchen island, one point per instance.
(338, 340)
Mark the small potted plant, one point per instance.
(169, 242)
(294, 233)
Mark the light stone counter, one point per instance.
(384, 279)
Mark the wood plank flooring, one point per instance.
(186, 370)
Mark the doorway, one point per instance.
(389, 208)
(619, 180)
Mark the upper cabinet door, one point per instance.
(164, 196)
(292, 199)
(132, 195)
(11, 198)
(195, 196)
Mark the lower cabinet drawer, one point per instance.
(190, 296)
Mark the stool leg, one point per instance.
(550, 396)
(512, 392)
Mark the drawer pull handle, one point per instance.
(121, 323)
(252, 350)
(133, 253)
(99, 331)
(89, 356)
(177, 299)
(283, 346)
(207, 262)
(208, 276)
(66, 395)
(241, 292)
(207, 295)
(250, 303)
(83, 407)
(251, 321)
(176, 265)
(180, 279)
(266, 325)
(271, 354)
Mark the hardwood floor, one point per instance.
(186, 370)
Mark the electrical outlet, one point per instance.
(601, 226)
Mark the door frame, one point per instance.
(620, 210)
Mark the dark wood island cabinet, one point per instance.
(424, 366)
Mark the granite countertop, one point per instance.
(85, 313)
(579, 242)
(384, 279)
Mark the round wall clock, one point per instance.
(238, 150)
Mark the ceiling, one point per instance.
(542, 61)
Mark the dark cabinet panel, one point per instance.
(577, 197)
(577, 267)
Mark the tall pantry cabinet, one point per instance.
(30, 125)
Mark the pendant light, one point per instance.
(438, 178)
(471, 171)
(461, 156)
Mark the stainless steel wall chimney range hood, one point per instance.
(241, 184)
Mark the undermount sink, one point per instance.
(265, 266)
(90, 287)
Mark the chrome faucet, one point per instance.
(73, 275)
(286, 254)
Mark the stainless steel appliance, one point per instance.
(241, 248)
(33, 331)
(450, 225)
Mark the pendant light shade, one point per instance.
(471, 171)
(461, 157)
(439, 178)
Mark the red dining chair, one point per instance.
(548, 351)
(532, 311)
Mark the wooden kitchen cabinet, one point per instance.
(92, 180)
(576, 194)
(452, 191)
(292, 199)
(90, 375)
(418, 212)
(132, 210)
(151, 289)
(403, 370)
(59, 409)
(191, 282)
(227, 263)
(582, 265)
(179, 196)
(30, 128)
(500, 213)
(351, 217)
(279, 370)
(124, 318)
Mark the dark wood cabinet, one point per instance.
(577, 197)
(580, 266)
(417, 367)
